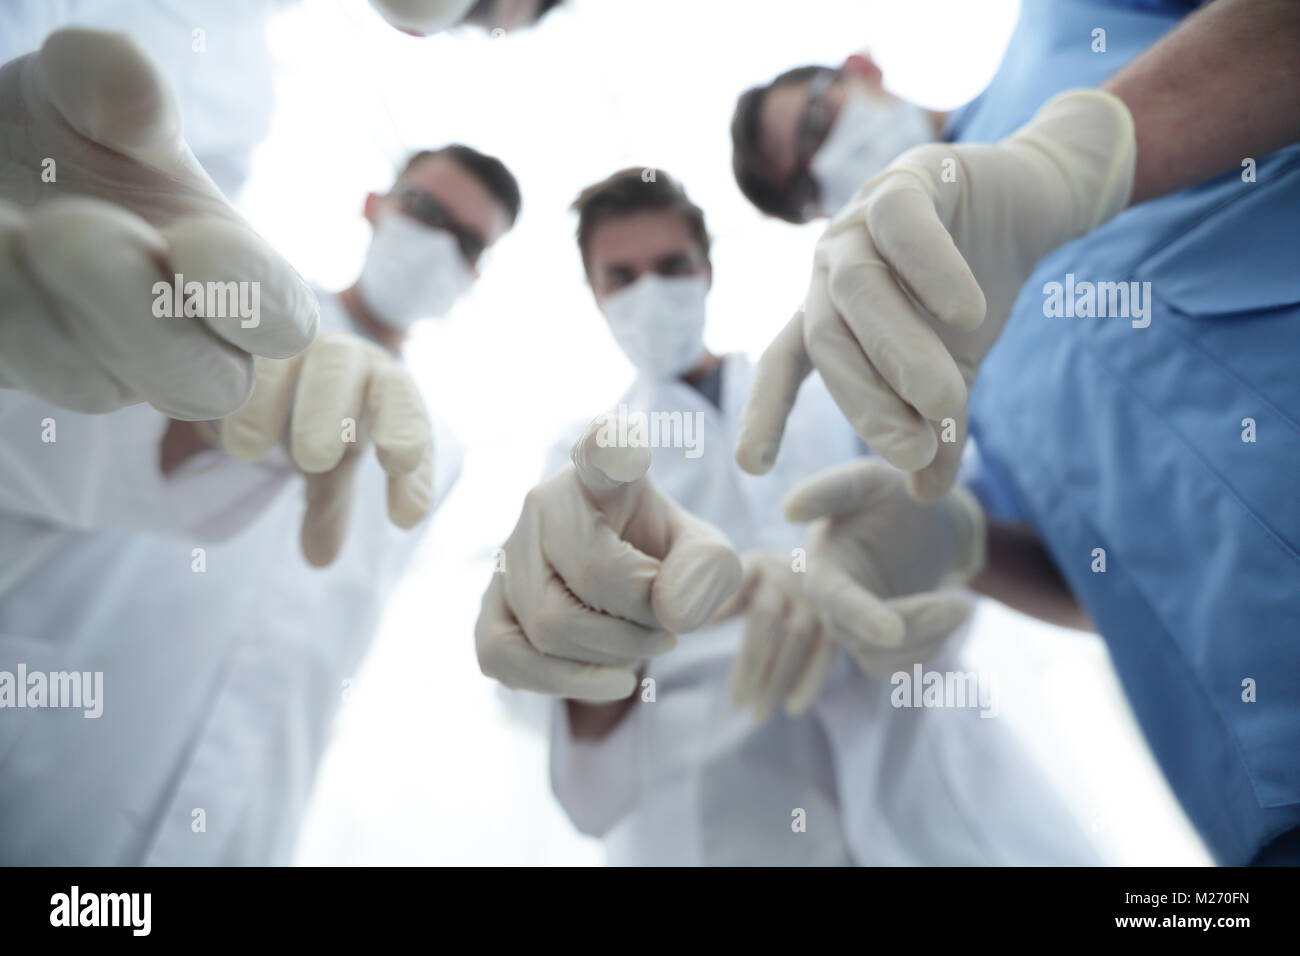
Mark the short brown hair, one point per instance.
(633, 190)
(747, 160)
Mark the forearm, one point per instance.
(592, 721)
(1020, 574)
(1221, 87)
(181, 442)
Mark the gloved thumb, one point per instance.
(697, 574)
(844, 489)
(780, 371)
(931, 616)
(751, 571)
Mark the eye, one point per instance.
(674, 266)
(618, 277)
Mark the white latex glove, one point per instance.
(601, 572)
(422, 16)
(308, 401)
(129, 207)
(877, 559)
(785, 655)
(915, 278)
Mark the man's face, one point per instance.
(795, 119)
(652, 241)
(438, 192)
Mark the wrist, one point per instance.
(1088, 138)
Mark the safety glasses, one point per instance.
(431, 211)
(815, 122)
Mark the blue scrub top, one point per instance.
(1130, 440)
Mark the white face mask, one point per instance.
(868, 134)
(412, 271)
(659, 323)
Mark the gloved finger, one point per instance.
(815, 672)
(37, 354)
(604, 571)
(109, 90)
(848, 605)
(751, 576)
(934, 480)
(890, 426)
(252, 430)
(930, 620)
(399, 423)
(698, 571)
(931, 615)
(562, 540)
(410, 496)
(505, 655)
(329, 511)
(881, 662)
(253, 298)
(604, 467)
(908, 233)
(616, 640)
(793, 647)
(762, 629)
(779, 373)
(423, 17)
(891, 332)
(328, 401)
(97, 265)
(846, 489)
(559, 625)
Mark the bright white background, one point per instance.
(425, 766)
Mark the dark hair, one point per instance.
(633, 190)
(747, 160)
(488, 170)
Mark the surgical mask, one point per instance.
(658, 322)
(868, 134)
(412, 271)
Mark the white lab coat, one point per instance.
(219, 685)
(687, 780)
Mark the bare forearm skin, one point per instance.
(1221, 87)
(1020, 574)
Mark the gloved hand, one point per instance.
(915, 278)
(342, 387)
(600, 574)
(422, 17)
(785, 655)
(877, 560)
(129, 207)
